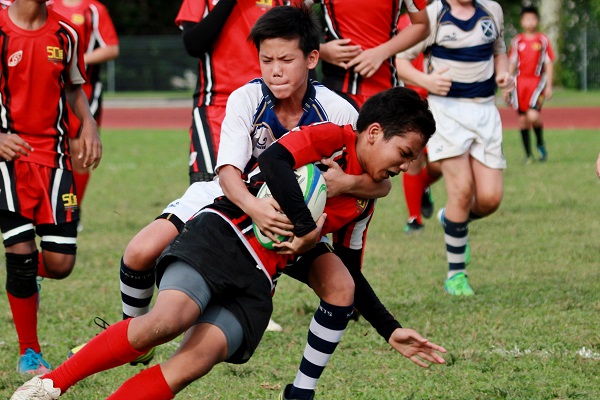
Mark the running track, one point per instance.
(178, 116)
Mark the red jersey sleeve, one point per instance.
(107, 34)
(316, 141)
(190, 11)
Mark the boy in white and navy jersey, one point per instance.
(467, 62)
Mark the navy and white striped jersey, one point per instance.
(467, 47)
(251, 126)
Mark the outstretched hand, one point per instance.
(416, 348)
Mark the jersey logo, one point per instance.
(361, 204)
(263, 3)
(77, 19)
(15, 58)
(488, 29)
(69, 201)
(55, 54)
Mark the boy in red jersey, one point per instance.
(216, 33)
(359, 46)
(101, 44)
(421, 173)
(42, 65)
(531, 57)
(223, 299)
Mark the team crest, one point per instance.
(78, 19)
(15, 58)
(488, 29)
(361, 204)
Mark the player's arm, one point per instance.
(361, 186)
(91, 147)
(405, 341)
(265, 212)
(277, 166)
(198, 38)
(101, 55)
(369, 61)
(504, 79)
(549, 70)
(435, 82)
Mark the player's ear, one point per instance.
(374, 130)
(313, 59)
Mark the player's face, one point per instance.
(529, 22)
(384, 159)
(284, 67)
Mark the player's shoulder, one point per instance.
(332, 102)
(250, 94)
(492, 6)
(56, 17)
(98, 5)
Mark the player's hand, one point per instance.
(299, 245)
(91, 146)
(368, 62)
(12, 147)
(269, 218)
(437, 82)
(416, 348)
(506, 96)
(335, 178)
(339, 52)
(504, 80)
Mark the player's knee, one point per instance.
(339, 291)
(58, 265)
(140, 257)
(488, 204)
(21, 271)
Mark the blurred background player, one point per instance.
(530, 61)
(100, 44)
(216, 32)
(44, 61)
(461, 79)
(360, 42)
(421, 173)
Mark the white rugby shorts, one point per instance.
(198, 195)
(463, 126)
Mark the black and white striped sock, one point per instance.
(137, 288)
(457, 235)
(326, 330)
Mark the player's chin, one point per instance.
(281, 91)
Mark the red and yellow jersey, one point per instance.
(347, 216)
(35, 67)
(233, 60)
(97, 30)
(531, 53)
(367, 26)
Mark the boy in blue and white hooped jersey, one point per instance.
(467, 62)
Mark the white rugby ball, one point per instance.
(313, 188)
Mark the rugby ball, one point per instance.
(313, 188)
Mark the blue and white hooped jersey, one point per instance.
(251, 126)
(467, 47)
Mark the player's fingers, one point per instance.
(417, 361)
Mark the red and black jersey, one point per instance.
(531, 53)
(97, 30)
(233, 60)
(35, 67)
(347, 216)
(368, 26)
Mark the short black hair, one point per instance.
(530, 10)
(398, 110)
(288, 22)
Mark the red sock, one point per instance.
(109, 349)
(148, 384)
(24, 313)
(42, 267)
(427, 179)
(81, 181)
(413, 192)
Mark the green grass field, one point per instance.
(531, 332)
